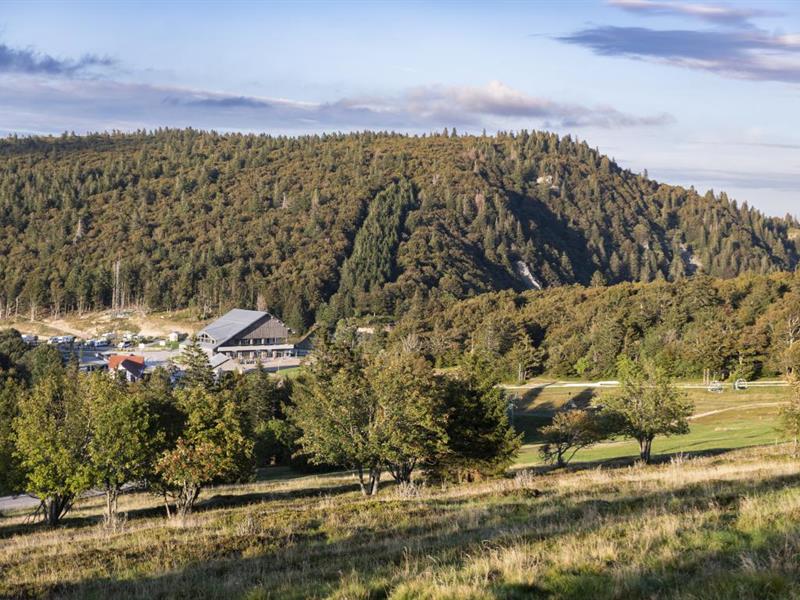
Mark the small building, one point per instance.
(251, 336)
(89, 362)
(130, 366)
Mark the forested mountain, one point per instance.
(336, 225)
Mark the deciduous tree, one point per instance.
(52, 437)
(647, 405)
(122, 438)
(210, 448)
(411, 411)
(570, 431)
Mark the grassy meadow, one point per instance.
(716, 524)
(722, 421)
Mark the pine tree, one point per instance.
(197, 370)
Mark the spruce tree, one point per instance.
(197, 370)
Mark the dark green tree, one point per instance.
(197, 370)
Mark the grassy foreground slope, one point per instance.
(722, 526)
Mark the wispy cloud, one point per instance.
(499, 100)
(29, 62)
(474, 105)
(744, 54)
(720, 14)
(735, 48)
(54, 104)
(727, 179)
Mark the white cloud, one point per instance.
(715, 13)
(54, 104)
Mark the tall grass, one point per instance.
(723, 526)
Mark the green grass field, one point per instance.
(732, 420)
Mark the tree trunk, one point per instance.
(166, 506)
(361, 485)
(374, 480)
(112, 494)
(55, 507)
(401, 472)
(184, 503)
(645, 446)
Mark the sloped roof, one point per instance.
(231, 323)
(116, 360)
(218, 359)
(132, 363)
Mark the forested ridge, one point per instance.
(745, 327)
(339, 225)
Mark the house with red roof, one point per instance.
(131, 366)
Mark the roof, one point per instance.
(231, 323)
(218, 359)
(117, 360)
(256, 348)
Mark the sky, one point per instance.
(696, 93)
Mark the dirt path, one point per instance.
(740, 407)
(62, 325)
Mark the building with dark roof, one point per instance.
(251, 336)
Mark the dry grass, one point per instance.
(714, 527)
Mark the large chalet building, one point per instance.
(250, 336)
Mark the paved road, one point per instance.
(613, 384)
(24, 501)
(18, 502)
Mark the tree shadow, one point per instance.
(514, 516)
(221, 500)
(530, 422)
(579, 398)
(212, 500)
(746, 567)
(624, 462)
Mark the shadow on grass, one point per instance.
(565, 398)
(741, 566)
(448, 533)
(211, 499)
(529, 422)
(622, 462)
(220, 500)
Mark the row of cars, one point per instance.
(103, 342)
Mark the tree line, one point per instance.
(65, 433)
(325, 227)
(746, 327)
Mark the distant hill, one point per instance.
(347, 224)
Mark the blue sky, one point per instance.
(697, 93)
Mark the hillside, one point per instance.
(345, 224)
(720, 526)
(745, 327)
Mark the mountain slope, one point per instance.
(179, 218)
